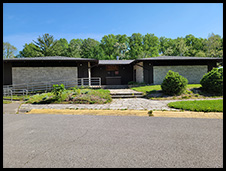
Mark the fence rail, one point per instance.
(46, 86)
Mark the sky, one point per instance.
(25, 22)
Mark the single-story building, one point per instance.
(111, 72)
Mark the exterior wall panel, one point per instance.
(193, 73)
(21, 75)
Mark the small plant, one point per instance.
(58, 90)
(173, 83)
(150, 113)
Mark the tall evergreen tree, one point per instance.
(46, 45)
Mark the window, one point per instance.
(112, 70)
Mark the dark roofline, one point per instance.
(112, 62)
(160, 58)
(51, 58)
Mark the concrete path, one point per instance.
(116, 104)
(11, 108)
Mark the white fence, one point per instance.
(93, 82)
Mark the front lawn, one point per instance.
(76, 96)
(154, 92)
(199, 105)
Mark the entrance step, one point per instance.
(125, 93)
(114, 86)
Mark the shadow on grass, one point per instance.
(46, 101)
(189, 93)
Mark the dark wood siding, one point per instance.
(125, 71)
(7, 74)
(83, 70)
(148, 72)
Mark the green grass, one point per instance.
(146, 89)
(199, 106)
(193, 91)
(153, 88)
(6, 101)
(190, 86)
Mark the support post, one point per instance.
(89, 73)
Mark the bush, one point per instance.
(174, 84)
(58, 90)
(212, 82)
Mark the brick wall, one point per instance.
(22, 75)
(192, 73)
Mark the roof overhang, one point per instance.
(179, 58)
(51, 58)
(115, 62)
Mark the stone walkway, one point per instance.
(116, 104)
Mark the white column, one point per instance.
(89, 73)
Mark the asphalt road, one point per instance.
(41, 140)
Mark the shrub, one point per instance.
(212, 82)
(58, 90)
(174, 84)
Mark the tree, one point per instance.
(46, 45)
(8, 50)
(121, 49)
(107, 44)
(169, 51)
(74, 48)
(167, 46)
(181, 47)
(30, 50)
(88, 48)
(195, 45)
(151, 45)
(61, 47)
(214, 46)
(200, 54)
(135, 45)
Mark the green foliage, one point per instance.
(30, 50)
(135, 44)
(46, 45)
(212, 82)
(150, 113)
(214, 46)
(173, 83)
(126, 47)
(89, 48)
(199, 106)
(76, 95)
(8, 50)
(74, 48)
(108, 43)
(58, 90)
(151, 45)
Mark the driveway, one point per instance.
(110, 141)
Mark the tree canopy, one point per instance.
(125, 47)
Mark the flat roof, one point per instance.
(51, 58)
(115, 62)
(179, 58)
(111, 62)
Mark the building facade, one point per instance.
(111, 72)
